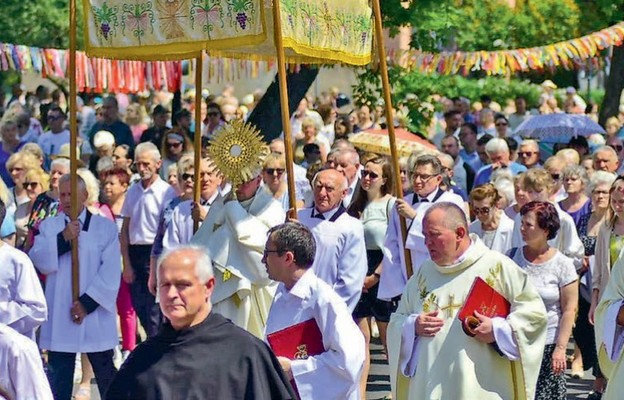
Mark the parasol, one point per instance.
(378, 141)
(557, 128)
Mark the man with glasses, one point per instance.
(426, 180)
(528, 153)
(340, 249)
(616, 144)
(605, 158)
(498, 152)
(51, 141)
(141, 213)
(234, 232)
(156, 132)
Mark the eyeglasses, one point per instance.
(501, 124)
(54, 117)
(372, 175)
(174, 144)
(186, 176)
(266, 252)
(423, 177)
(30, 185)
(272, 171)
(526, 153)
(483, 210)
(600, 192)
(616, 147)
(555, 177)
(213, 114)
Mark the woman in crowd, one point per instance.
(9, 146)
(46, 204)
(328, 114)
(17, 165)
(492, 225)
(342, 128)
(273, 170)
(35, 182)
(135, 118)
(116, 181)
(554, 276)
(372, 206)
(122, 156)
(404, 169)
(519, 196)
(175, 144)
(309, 130)
(588, 228)
(577, 204)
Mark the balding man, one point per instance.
(197, 354)
(606, 159)
(425, 335)
(528, 153)
(498, 152)
(340, 250)
(347, 162)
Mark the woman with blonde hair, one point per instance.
(135, 118)
(309, 129)
(35, 182)
(17, 165)
(612, 126)
(273, 177)
(492, 225)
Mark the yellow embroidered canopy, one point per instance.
(314, 31)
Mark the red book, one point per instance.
(484, 299)
(297, 342)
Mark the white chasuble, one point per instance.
(452, 365)
(234, 235)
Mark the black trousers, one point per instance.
(143, 301)
(61, 372)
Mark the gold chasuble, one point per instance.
(607, 326)
(452, 365)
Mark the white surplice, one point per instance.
(100, 274)
(394, 274)
(22, 303)
(335, 373)
(340, 258)
(502, 236)
(21, 369)
(180, 228)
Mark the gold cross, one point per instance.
(450, 306)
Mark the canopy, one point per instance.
(313, 31)
(378, 141)
(558, 127)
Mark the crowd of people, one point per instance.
(165, 311)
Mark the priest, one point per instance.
(609, 319)
(430, 356)
(198, 354)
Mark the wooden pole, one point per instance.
(199, 69)
(283, 89)
(383, 67)
(73, 128)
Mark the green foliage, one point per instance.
(41, 23)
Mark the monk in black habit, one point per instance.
(198, 354)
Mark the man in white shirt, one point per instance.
(51, 141)
(301, 296)
(88, 324)
(347, 162)
(303, 191)
(141, 213)
(340, 249)
(22, 303)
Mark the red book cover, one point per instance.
(297, 342)
(484, 299)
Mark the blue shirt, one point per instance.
(471, 159)
(484, 174)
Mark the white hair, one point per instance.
(447, 160)
(496, 145)
(62, 162)
(599, 178)
(91, 184)
(505, 188)
(147, 147)
(79, 181)
(530, 142)
(203, 263)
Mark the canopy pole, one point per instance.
(73, 156)
(383, 66)
(283, 89)
(199, 69)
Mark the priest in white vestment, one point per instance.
(89, 324)
(301, 296)
(430, 356)
(340, 249)
(609, 325)
(22, 303)
(234, 233)
(426, 180)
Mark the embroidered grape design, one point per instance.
(242, 18)
(105, 28)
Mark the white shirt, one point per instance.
(334, 374)
(502, 236)
(180, 228)
(459, 174)
(22, 303)
(350, 192)
(100, 274)
(21, 370)
(51, 143)
(143, 207)
(340, 252)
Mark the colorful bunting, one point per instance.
(569, 54)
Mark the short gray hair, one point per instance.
(79, 181)
(496, 145)
(601, 149)
(572, 171)
(203, 263)
(454, 215)
(62, 162)
(428, 159)
(599, 178)
(147, 147)
(92, 185)
(296, 238)
(530, 142)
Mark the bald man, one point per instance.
(425, 335)
(340, 250)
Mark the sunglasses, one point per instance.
(483, 210)
(54, 117)
(30, 185)
(555, 177)
(174, 144)
(526, 153)
(372, 175)
(502, 124)
(186, 176)
(272, 171)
